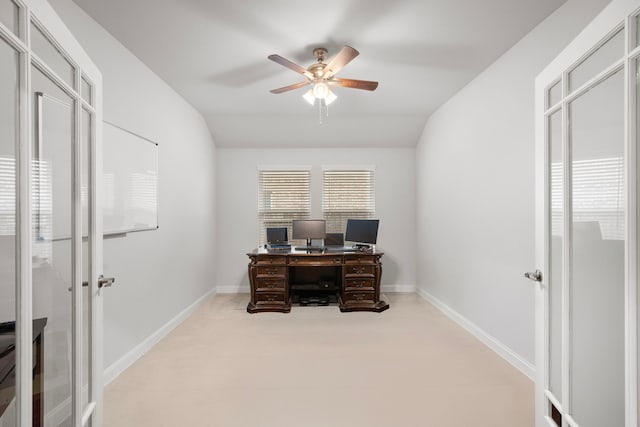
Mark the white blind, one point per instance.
(347, 194)
(283, 195)
(598, 195)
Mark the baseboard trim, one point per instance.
(119, 366)
(502, 350)
(244, 289)
(233, 289)
(398, 288)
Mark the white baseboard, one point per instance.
(233, 289)
(116, 368)
(502, 350)
(244, 289)
(398, 288)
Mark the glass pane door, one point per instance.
(52, 250)
(597, 343)
(9, 80)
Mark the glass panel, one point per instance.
(555, 254)
(611, 51)
(597, 289)
(637, 25)
(86, 91)
(10, 15)
(9, 86)
(51, 56)
(52, 256)
(84, 193)
(554, 94)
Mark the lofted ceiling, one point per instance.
(214, 53)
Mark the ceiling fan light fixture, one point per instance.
(330, 98)
(321, 90)
(308, 96)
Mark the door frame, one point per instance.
(42, 13)
(615, 15)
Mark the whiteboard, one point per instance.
(130, 181)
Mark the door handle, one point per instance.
(105, 282)
(536, 276)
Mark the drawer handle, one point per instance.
(271, 285)
(359, 270)
(359, 297)
(359, 284)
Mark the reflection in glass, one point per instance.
(52, 256)
(48, 53)
(554, 94)
(598, 262)
(611, 51)
(10, 15)
(9, 76)
(555, 254)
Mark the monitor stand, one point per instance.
(363, 247)
(310, 248)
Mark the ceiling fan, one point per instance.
(321, 75)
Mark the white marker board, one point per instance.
(130, 181)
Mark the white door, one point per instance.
(586, 227)
(50, 223)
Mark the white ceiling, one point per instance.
(214, 53)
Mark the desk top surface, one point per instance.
(325, 252)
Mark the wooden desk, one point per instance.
(356, 276)
(8, 371)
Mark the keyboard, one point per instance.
(339, 249)
(309, 248)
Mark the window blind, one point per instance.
(283, 195)
(598, 195)
(347, 194)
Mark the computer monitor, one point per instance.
(277, 235)
(334, 239)
(308, 229)
(362, 231)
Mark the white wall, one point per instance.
(475, 188)
(158, 273)
(237, 216)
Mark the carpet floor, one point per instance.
(409, 366)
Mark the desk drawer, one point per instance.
(359, 270)
(359, 285)
(315, 260)
(271, 260)
(271, 271)
(264, 298)
(360, 259)
(270, 285)
(359, 297)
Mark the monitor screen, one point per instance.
(334, 239)
(277, 235)
(362, 230)
(308, 229)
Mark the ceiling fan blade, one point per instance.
(343, 57)
(290, 87)
(290, 65)
(355, 84)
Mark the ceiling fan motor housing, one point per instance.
(320, 53)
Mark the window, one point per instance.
(347, 194)
(283, 195)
